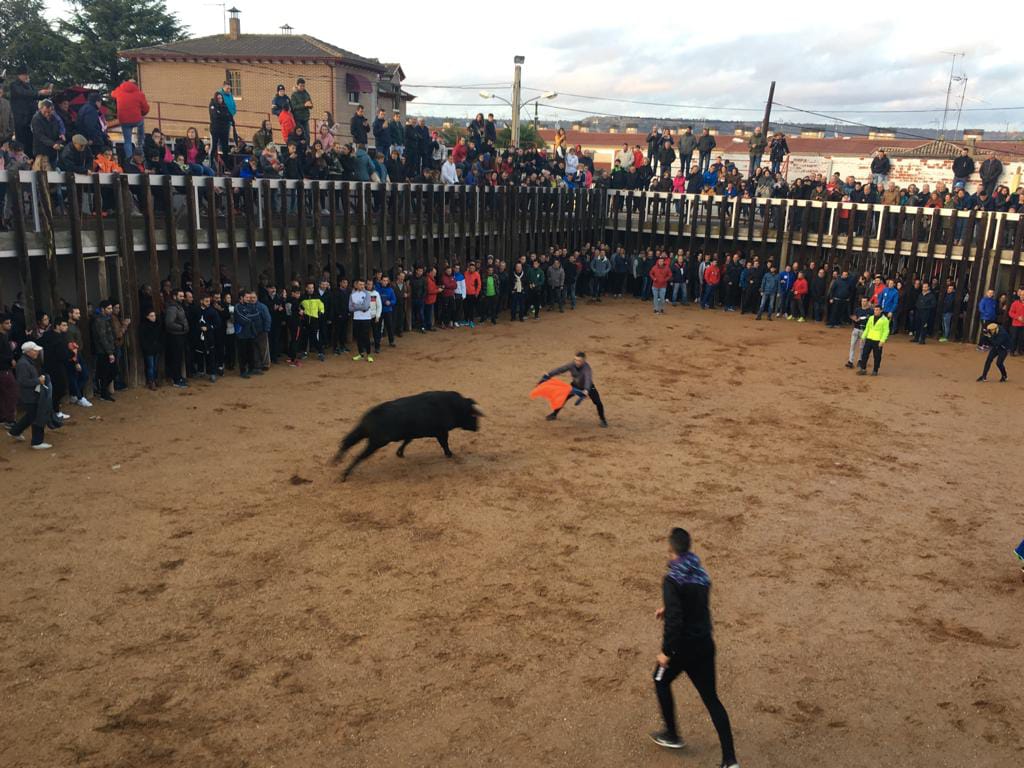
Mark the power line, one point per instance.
(887, 111)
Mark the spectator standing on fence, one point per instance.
(24, 104)
(359, 127)
(397, 133)
(990, 172)
(778, 151)
(229, 102)
(963, 168)
(880, 167)
(756, 146)
(46, 139)
(221, 126)
(302, 103)
(6, 123)
(132, 109)
(705, 146)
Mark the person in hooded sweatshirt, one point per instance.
(151, 343)
(459, 298)
(999, 348)
(687, 645)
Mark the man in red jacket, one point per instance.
(712, 276)
(660, 274)
(796, 298)
(132, 108)
(1017, 324)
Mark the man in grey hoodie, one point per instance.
(556, 284)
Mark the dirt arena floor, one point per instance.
(185, 583)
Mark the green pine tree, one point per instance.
(26, 37)
(97, 29)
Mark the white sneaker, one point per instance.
(62, 415)
(42, 447)
(84, 403)
(19, 438)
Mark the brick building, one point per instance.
(914, 161)
(180, 78)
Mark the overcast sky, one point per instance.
(842, 60)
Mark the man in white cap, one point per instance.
(31, 386)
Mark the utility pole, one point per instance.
(515, 99)
(768, 110)
(949, 88)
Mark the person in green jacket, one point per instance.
(302, 103)
(535, 282)
(490, 290)
(875, 333)
(757, 144)
(312, 308)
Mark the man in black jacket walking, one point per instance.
(687, 645)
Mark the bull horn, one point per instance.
(477, 411)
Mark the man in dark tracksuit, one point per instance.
(582, 381)
(687, 645)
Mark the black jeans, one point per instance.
(698, 663)
(29, 417)
(999, 355)
(175, 356)
(247, 361)
(872, 347)
(361, 331)
(595, 398)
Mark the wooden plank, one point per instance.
(332, 231)
(396, 204)
(318, 247)
(286, 261)
(301, 214)
(868, 229)
(628, 199)
(170, 234)
(720, 245)
(883, 223)
(362, 228)
(933, 235)
(381, 227)
(45, 203)
(229, 224)
(851, 224)
(346, 227)
(211, 232)
(464, 226)
(428, 196)
(130, 288)
(78, 258)
(191, 226)
(146, 195)
(897, 247)
(820, 231)
(14, 194)
(249, 201)
(101, 245)
(273, 275)
(370, 228)
(1018, 240)
(915, 241)
(970, 273)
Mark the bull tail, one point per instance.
(353, 437)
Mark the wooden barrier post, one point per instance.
(14, 194)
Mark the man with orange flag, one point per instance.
(582, 386)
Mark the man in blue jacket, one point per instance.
(786, 280)
(889, 299)
(987, 310)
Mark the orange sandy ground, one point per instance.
(186, 584)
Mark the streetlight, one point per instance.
(519, 60)
(515, 115)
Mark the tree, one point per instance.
(528, 137)
(452, 132)
(26, 37)
(98, 29)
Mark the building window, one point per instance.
(353, 97)
(234, 77)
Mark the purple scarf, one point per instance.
(686, 569)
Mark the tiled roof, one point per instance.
(853, 145)
(290, 47)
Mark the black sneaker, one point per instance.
(551, 416)
(107, 396)
(667, 740)
(604, 423)
(849, 365)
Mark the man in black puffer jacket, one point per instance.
(687, 645)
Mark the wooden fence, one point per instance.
(278, 230)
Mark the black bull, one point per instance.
(428, 414)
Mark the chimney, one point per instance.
(234, 24)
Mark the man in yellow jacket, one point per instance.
(875, 333)
(312, 307)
